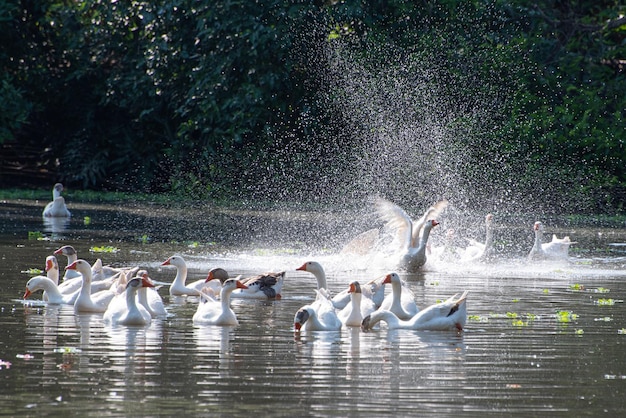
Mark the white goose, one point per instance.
(48, 284)
(557, 249)
(401, 300)
(412, 237)
(478, 251)
(374, 289)
(317, 316)
(124, 310)
(358, 308)
(448, 315)
(178, 286)
(86, 302)
(56, 208)
(70, 253)
(212, 312)
(149, 297)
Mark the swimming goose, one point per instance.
(149, 297)
(86, 302)
(262, 286)
(124, 310)
(447, 315)
(478, 251)
(557, 249)
(401, 300)
(317, 316)
(373, 289)
(72, 255)
(56, 208)
(178, 286)
(212, 312)
(358, 308)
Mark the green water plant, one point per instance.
(104, 249)
(566, 316)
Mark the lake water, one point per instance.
(517, 355)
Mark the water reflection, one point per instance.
(56, 226)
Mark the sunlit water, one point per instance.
(516, 355)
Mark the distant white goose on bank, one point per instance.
(448, 315)
(124, 309)
(557, 249)
(57, 207)
(218, 312)
(411, 237)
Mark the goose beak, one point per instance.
(302, 267)
(146, 282)
(387, 279)
(72, 266)
(49, 265)
(166, 262)
(241, 285)
(27, 293)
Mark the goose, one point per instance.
(557, 249)
(358, 308)
(49, 284)
(149, 297)
(178, 286)
(373, 289)
(86, 302)
(72, 255)
(262, 286)
(56, 208)
(412, 237)
(124, 310)
(317, 316)
(477, 251)
(448, 315)
(401, 300)
(212, 312)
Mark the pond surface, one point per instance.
(517, 355)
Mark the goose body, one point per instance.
(53, 296)
(401, 300)
(374, 289)
(478, 251)
(213, 312)
(179, 287)
(263, 286)
(86, 302)
(358, 308)
(411, 237)
(124, 309)
(557, 249)
(317, 316)
(57, 207)
(448, 315)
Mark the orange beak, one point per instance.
(302, 267)
(27, 293)
(241, 285)
(387, 279)
(166, 262)
(72, 266)
(49, 265)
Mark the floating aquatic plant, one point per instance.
(511, 315)
(87, 220)
(36, 235)
(602, 290)
(478, 318)
(577, 287)
(621, 331)
(566, 316)
(104, 249)
(33, 271)
(546, 291)
(519, 323)
(579, 332)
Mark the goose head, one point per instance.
(300, 318)
(217, 273)
(66, 250)
(175, 260)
